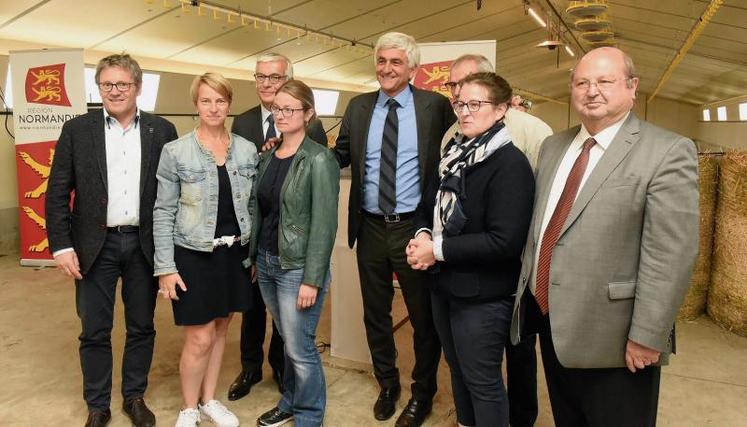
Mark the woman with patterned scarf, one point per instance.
(472, 225)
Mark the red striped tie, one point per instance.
(552, 232)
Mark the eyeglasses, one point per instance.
(273, 78)
(603, 84)
(121, 86)
(285, 111)
(473, 106)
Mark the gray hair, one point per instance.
(627, 63)
(275, 57)
(401, 41)
(482, 63)
(123, 61)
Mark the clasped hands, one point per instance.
(419, 252)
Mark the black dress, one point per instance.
(217, 283)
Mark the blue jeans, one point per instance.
(473, 336)
(305, 394)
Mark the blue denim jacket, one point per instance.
(187, 202)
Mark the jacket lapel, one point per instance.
(422, 115)
(618, 149)
(545, 180)
(257, 126)
(146, 147)
(99, 145)
(366, 113)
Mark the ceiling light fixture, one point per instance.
(289, 28)
(569, 50)
(536, 17)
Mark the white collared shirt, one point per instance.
(604, 139)
(122, 171)
(265, 125)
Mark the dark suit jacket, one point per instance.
(483, 261)
(433, 115)
(249, 125)
(80, 165)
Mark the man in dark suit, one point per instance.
(109, 159)
(257, 125)
(391, 140)
(609, 251)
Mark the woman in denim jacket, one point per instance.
(201, 227)
(295, 222)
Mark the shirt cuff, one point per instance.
(62, 251)
(438, 250)
(426, 229)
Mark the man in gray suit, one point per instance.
(610, 251)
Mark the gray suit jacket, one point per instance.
(623, 261)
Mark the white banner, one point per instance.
(48, 90)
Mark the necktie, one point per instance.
(270, 128)
(388, 163)
(557, 220)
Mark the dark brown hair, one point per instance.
(498, 88)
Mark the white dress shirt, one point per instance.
(122, 171)
(604, 139)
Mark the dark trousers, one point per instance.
(381, 252)
(253, 325)
(521, 379)
(606, 397)
(474, 336)
(95, 294)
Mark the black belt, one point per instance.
(391, 218)
(124, 229)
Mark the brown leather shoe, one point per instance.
(98, 418)
(139, 414)
(414, 413)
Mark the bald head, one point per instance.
(603, 86)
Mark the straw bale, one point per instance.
(727, 296)
(695, 300)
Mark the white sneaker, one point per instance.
(218, 414)
(189, 417)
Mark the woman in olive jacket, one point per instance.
(295, 222)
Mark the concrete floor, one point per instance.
(706, 384)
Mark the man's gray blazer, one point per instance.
(622, 264)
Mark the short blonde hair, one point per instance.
(214, 81)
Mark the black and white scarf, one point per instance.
(461, 154)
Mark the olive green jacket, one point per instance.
(308, 211)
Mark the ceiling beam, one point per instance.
(705, 18)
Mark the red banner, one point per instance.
(34, 163)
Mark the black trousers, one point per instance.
(381, 252)
(521, 379)
(253, 325)
(608, 397)
(474, 336)
(95, 294)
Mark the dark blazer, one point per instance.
(249, 125)
(483, 261)
(433, 115)
(80, 165)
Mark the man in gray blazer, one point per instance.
(610, 251)
(109, 158)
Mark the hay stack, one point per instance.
(695, 301)
(727, 297)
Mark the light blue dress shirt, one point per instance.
(408, 168)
